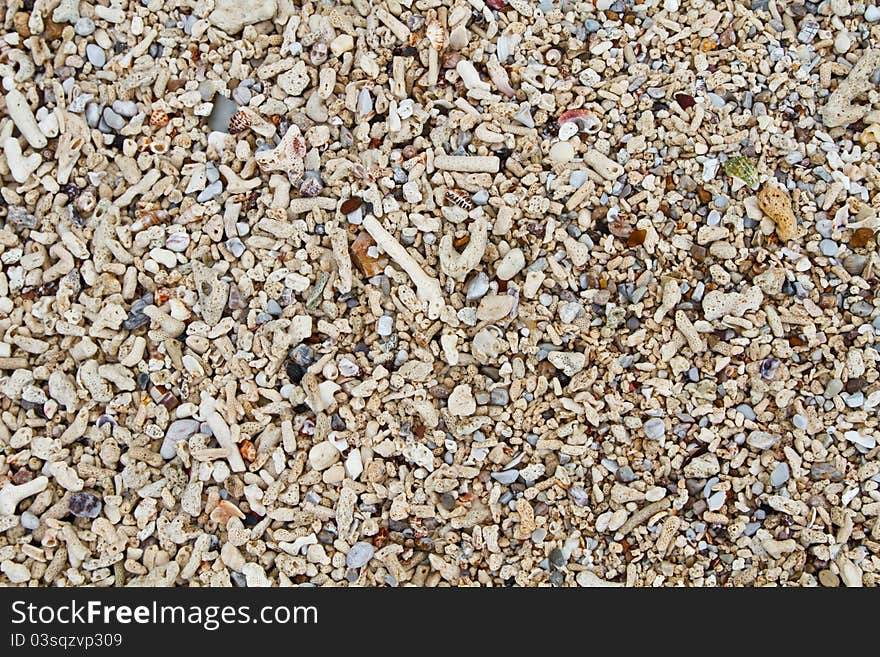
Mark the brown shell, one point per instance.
(158, 118)
(239, 123)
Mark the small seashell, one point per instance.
(552, 57)
(239, 122)
(364, 103)
(742, 168)
(248, 451)
(524, 116)
(158, 118)
(311, 185)
(318, 54)
(436, 34)
(85, 203)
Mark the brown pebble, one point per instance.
(854, 384)
(20, 23)
(636, 238)
(861, 237)
(828, 579)
(349, 205)
(368, 266)
(685, 101)
(699, 252)
(828, 301)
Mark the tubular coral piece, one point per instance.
(427, 288)
(67, 151)
(468, 164)
(459, 265)
(339, 244)
(603, 165)
(12, 495)
(21, 115)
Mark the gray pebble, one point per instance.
(188, 23)
(385, 325)
(625, 475)
(273, 308)
(507, 477)
(211, 172)
(832, 388)
(126, 108)
(861, 308)
(579, 496)
(854, 264)
(481, 197)
(235, 247)
(779, 475)
(499, 397)
(84, 26)
(654, 428)
(746, 411)
(570, 311)
(211, 191)
(359, 555)
(716, 501)
(29, 521)
(828, 248)
(856, 400)
(477, 287)
(93, 115)
(242, 95)
(221, 112)
(96, 55)
(113, 120)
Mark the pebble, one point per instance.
(779, 475)
(570, 311)
(113, 120)
(323, 455)
(96, 55)
(236, 247)
(385, 325)
(510, 265)
(477, 287)
(210, 192)
(506, 477)
(562, 152)
(872, 13)
(84, 26)
(29, 521)
(359, 555)
(84, 505)
(654, 428)
(828, 248)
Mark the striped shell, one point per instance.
(239, 122)
(436, 34)
(159, 118)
